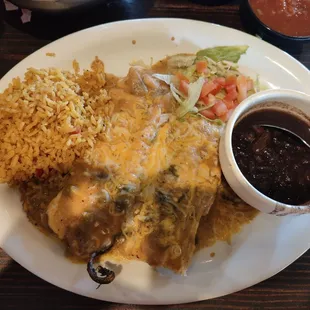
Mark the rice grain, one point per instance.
(49, 119)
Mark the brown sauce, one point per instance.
(274, 161)
(226, 218)
(36, 194)
(84, 216)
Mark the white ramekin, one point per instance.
(230, 169)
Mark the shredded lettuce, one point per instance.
(220, 69)
(167, 78)
(194, 91)
(228, 53)
(216, 121)
(177, 94)
(222, 62)
(190, 73)
(206, 107)
(187, 104)
(221, 95)
(257, 86)
(173, 88)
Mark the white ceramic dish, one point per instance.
(261, 250)
(234, 176)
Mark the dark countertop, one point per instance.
(19, 289)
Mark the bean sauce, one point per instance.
(274, 161)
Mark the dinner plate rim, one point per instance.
(107, 25)
(168, 19)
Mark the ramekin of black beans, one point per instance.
(267, 166)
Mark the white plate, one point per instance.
(261, 250)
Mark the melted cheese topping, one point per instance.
(169, 165)
(76, 200)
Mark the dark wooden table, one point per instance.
(19, 289)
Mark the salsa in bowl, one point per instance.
(281, 22)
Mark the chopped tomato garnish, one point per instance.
(205, 100)
(230, 87)
(219, 108)
(39, 172)
(201, 66)
(229, 103)
(207, 88)
(182, 77)
(220, 80)
(226, 116)
(232, 79)
(235, 103)
(210, 99)
(231, 95)
(217, 89)
(208, 114)
(184, 85)
(242, 87)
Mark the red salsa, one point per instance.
(274, 161)
(289, 17)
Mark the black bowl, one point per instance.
(56, 6)
(256, 26)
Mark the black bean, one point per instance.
(274, 161)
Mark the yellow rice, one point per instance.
(49, 119)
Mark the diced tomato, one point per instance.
(201, 66)
(230, 87)
(207, 88)
(184, 85)
(219, 108)
(217, 89)
(229, 103)
(235, 103)
(242, 87)
(226, 116)
(231, 95)
(210, 99)
(220, 80)
(205, 100)
(182, 77)
(250, 84)
(39, 173)
(208, 114)
(231, 80)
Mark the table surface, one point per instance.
(290, 289)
